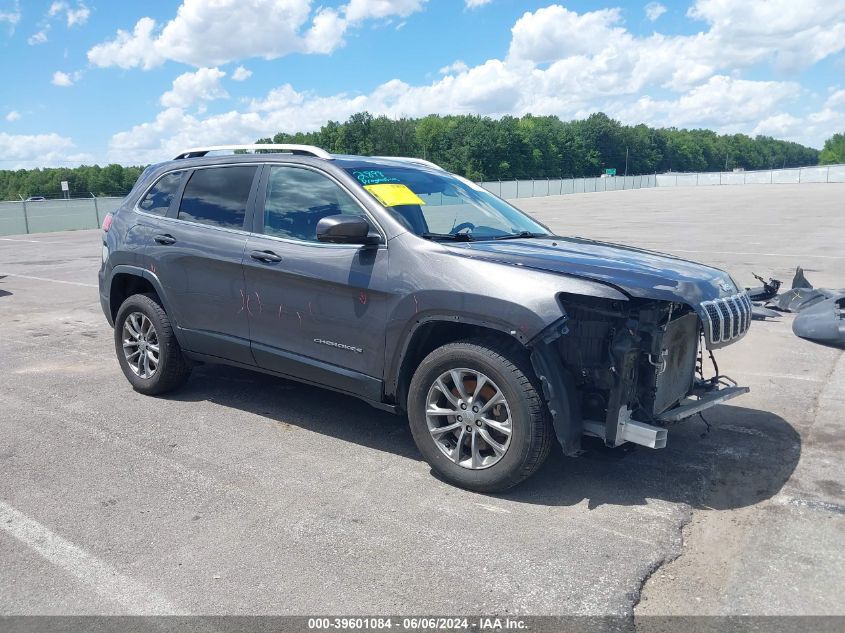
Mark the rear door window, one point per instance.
(158, 199)
(218, 196)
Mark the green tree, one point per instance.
(482, 148)
(833, 151)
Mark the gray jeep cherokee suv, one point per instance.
(394, 281)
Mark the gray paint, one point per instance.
(371, 297)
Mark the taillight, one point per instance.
(107, 222)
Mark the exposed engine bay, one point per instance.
(638, 367)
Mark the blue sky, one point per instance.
(137, 82)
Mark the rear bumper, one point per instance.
(104, 282)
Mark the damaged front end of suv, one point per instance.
(625, 371)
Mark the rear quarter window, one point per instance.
(218, 196)
(158, 198)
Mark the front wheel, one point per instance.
(146, 346)
(477, 417)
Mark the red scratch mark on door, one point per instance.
(152, 268)
(248, 311)
(363, 298)
(243, 302)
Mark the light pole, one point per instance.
(626, 161)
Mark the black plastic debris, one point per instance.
(823, 323)
(799, 299)
(765, 292)
(799, 280)
(760, 313)
(801, 296)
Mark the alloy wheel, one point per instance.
(140, 344)
(469, 418)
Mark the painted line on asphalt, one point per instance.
(104, 579)
(784, 255)
(11, 239)
(55, 281)
(784, 376)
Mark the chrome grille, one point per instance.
(727, 319)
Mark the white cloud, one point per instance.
(11, 16)
(38, 38)
(836, 100)
(455, 67)
(813, 129)
(474, 4)
(241, 74)
(25, 151)
(213, 33)
(358, 10)
(724, 104)
(555, 32)
(326, 32)
(560, 62)
(13, 115)
(791, 34)
(64, 79)
(74, 15)
(129, 50)
(189, 88)
(653, 10)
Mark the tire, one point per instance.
(485, 470)
(171, 369)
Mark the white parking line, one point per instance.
(11, 239)
(97, 574)
(784, 255)
(55, 281)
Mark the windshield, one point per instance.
(443, 205)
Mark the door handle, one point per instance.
(165, 239)
(267, 257)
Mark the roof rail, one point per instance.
(306, 150)
(408, 159)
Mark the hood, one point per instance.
(637, 272)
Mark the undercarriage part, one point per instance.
(691, 406)
(765, 292)
(633, 431)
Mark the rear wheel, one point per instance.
(146, 346)
(477, 417)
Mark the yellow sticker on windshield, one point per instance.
(393, 195)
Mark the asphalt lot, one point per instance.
(244, 494)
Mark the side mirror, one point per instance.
(345, 229)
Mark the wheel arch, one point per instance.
(432, 332)
(128, 280)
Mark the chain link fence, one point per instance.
(42, 216)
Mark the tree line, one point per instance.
(482, 148)
(84, 180)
